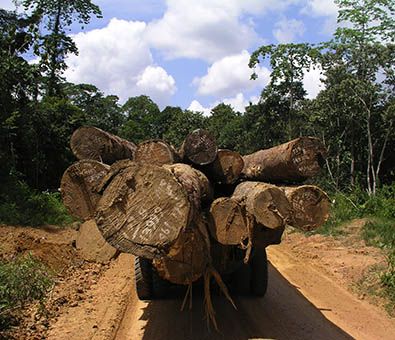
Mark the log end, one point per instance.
(156, 152)
(79, 187)
(199, 147)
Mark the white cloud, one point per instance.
(208, 29)
(312, 82)
(155, 81)
(197, 107)
(117, 59)
(231, 75)
(238, 103)
(7, 5)
(323, 8)
(286, 30)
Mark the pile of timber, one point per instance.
(178, 207)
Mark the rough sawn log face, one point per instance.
(310, 206)
(199, 147)
(92, 143)
(294, 161)
(79, 187)
(143, 210)
(156, 152)
(266, 203)
(228, 223)
(226, 168)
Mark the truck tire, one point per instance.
(160, 287)
(259, 273)
(240, 284)
(143, 278)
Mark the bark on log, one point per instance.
(296, 160)
(226, 168)
(199, 148)
(92, 143)
(79, 187)
(228, 224)
(156, 152)
(146, 208)
(187, 258)
(310, 206)
(265, 202)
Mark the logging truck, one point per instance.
(196, 214)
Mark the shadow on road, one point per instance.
(284, 313)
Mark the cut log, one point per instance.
(187, 258)
(265, 202)
(296, 160)
(310, 206)
(228, 224)
(92, 143)
(199, 148)
(79, 187)
(226, 168)
(156, 152)
(194, 181)
(145, 208)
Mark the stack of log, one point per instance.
(178, 207)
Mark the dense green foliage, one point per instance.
(22, 280)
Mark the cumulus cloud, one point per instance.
(286, 30)
(208, 29)
(197, 107)
(312, 82)
(323, 8)
(238, 103)
(117, 59)
(231, 75)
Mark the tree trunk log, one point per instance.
(187, 258)
(296, 160)
(228, 223)
(199, 148)
(226, 168)
(79, 187)
(146, 208)
(310, 206)
(194, 181)
(93, 143)
(265, 202)
(156, 152)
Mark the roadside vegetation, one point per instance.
(22, 280)
(379, 230)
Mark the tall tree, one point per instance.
(53, 43)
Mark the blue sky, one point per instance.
(191, 54)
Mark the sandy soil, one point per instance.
(310, 295)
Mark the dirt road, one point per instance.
(285, 312)
(304, 300)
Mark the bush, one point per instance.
(21, 205)
(22, 280)
(358, 204)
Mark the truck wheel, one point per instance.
(160, 287)
(259, 273)
(143, 278)
(241, 278)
